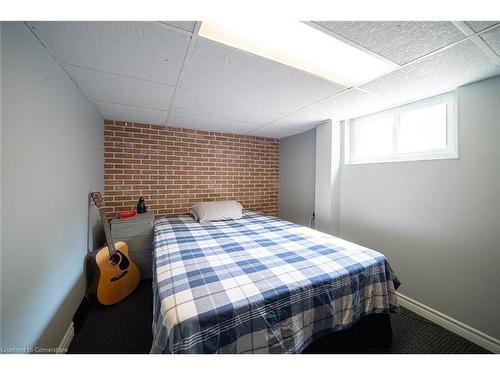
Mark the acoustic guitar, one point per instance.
(113, 275)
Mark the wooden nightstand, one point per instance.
(137, 232)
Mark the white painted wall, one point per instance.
(328, 147)
(438, 221)
(296, 179)
(0, 181)
(51, 158)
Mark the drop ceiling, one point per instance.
(163, 73)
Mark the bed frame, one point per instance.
(372, 334)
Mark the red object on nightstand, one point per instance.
(126, 214)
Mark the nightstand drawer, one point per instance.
(137, 232)
(139, 225)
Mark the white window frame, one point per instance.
(450, 152)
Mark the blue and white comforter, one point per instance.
(259, 285)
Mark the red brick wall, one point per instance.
(174, 168)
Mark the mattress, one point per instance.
(259, 285)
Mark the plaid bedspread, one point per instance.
(259, 285)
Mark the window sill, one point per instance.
(406, 158)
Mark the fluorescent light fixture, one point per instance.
(296, 44)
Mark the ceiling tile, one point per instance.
(136, 49)
(118, 112)
(480, 25)
(399, 41)
(453, 67)
(349, 104)
(111, 88)
(223, 70)
(183, 25)
(211, 105)
(183, 120)
(276, 132)
(492, 38)
(300, 121)
(226, 71)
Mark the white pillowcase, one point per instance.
(214, 211)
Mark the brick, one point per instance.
(174, 168)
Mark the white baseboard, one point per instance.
(66, 340)
(453, 325)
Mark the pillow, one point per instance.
(213, 211)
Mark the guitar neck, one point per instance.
(107, 232)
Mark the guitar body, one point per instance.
(115, 277)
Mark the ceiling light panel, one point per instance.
(202, 104)
(480, 25)
(296, 44)
(458, 65)
(118, 112)
(145, 50)
(112, 88)
(492, 38)
(349, 104)
(398, 41)
(221, 70)
(183, 120)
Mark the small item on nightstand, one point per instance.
(141, 206)
(126, 214)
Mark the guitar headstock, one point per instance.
(97, 198)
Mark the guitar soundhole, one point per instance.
(114, 259)
(119, 259)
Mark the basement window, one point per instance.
(424, 130)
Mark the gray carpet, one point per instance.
(126, 328)
(413, 334)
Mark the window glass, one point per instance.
(422, 129)
(374, 138)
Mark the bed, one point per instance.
(260, 285)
